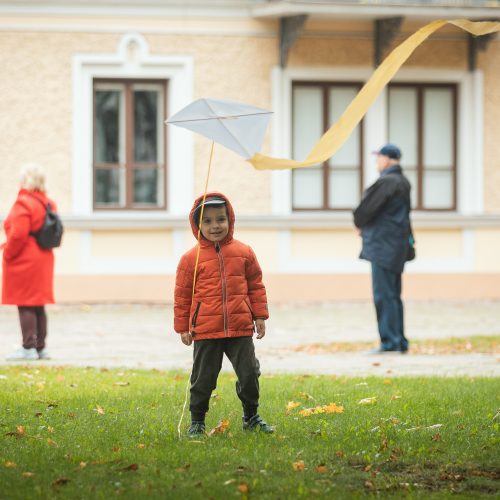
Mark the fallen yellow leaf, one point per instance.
(329, 408)
(141, 445)
(21, 429)
(322, 468)
(387, 381)
(333, 408)
(221, 428)
(100, 410)
(50, 429)
(291, 405)
(28, 474)
(305, 395)
(83, 465)
(10, 465)
(298, 466)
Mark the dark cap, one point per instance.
(389, 150)
(210, 201)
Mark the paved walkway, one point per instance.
(141, 336)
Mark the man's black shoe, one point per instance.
(196, 429)
(256, 422)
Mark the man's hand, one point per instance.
(260, 326)
(186, 338)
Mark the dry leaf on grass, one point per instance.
(10, 465)
(28, 474)
(141, 445)
(291, 405)
(100, 410)
(329, 408)
(121, 384)
(298, 466)
(368, 401)
(321, 468)
(132, 467)
(61, 481)
(184, 468)
(221, 427)
(305, 395)
(243, 488)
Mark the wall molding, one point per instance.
(132, 60)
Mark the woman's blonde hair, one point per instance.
(32, 177)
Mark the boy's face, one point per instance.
(215, 223)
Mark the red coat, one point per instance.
(28, 270)
(229, 292)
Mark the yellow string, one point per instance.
(334, 138)
(201, 217)
(194, 276)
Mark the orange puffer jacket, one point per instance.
(229, 292)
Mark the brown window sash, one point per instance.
(325, 87)
(129, 164)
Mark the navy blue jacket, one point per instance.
(384, 219)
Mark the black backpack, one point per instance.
(50, 234)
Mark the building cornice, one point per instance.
(421, 11)
(313, 221)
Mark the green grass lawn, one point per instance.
(88, 433)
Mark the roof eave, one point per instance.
(366, 12)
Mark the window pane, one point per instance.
(107, 129)
(438, 189)
(403, 122)
(411, 174)
(308, 188)
(146, 186)
(348, 154)
(146, 128)
(438, 128)
(109, 186)
(307, 119)
(344, 188)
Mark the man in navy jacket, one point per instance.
(383, 216)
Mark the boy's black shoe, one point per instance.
(196, 429)
(256, 422)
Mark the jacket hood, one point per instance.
(230, 213)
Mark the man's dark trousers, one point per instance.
(389, 307)
(207, 363)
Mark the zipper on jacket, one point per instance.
(195, 315)
(223, 283)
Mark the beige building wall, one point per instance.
(232, 59)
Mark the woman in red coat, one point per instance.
(28, 270)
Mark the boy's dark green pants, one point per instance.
(207, 363)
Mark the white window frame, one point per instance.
(132, 60)
(470, 145)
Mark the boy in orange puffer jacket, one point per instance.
(228, 304)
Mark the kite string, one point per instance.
(194, 275)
